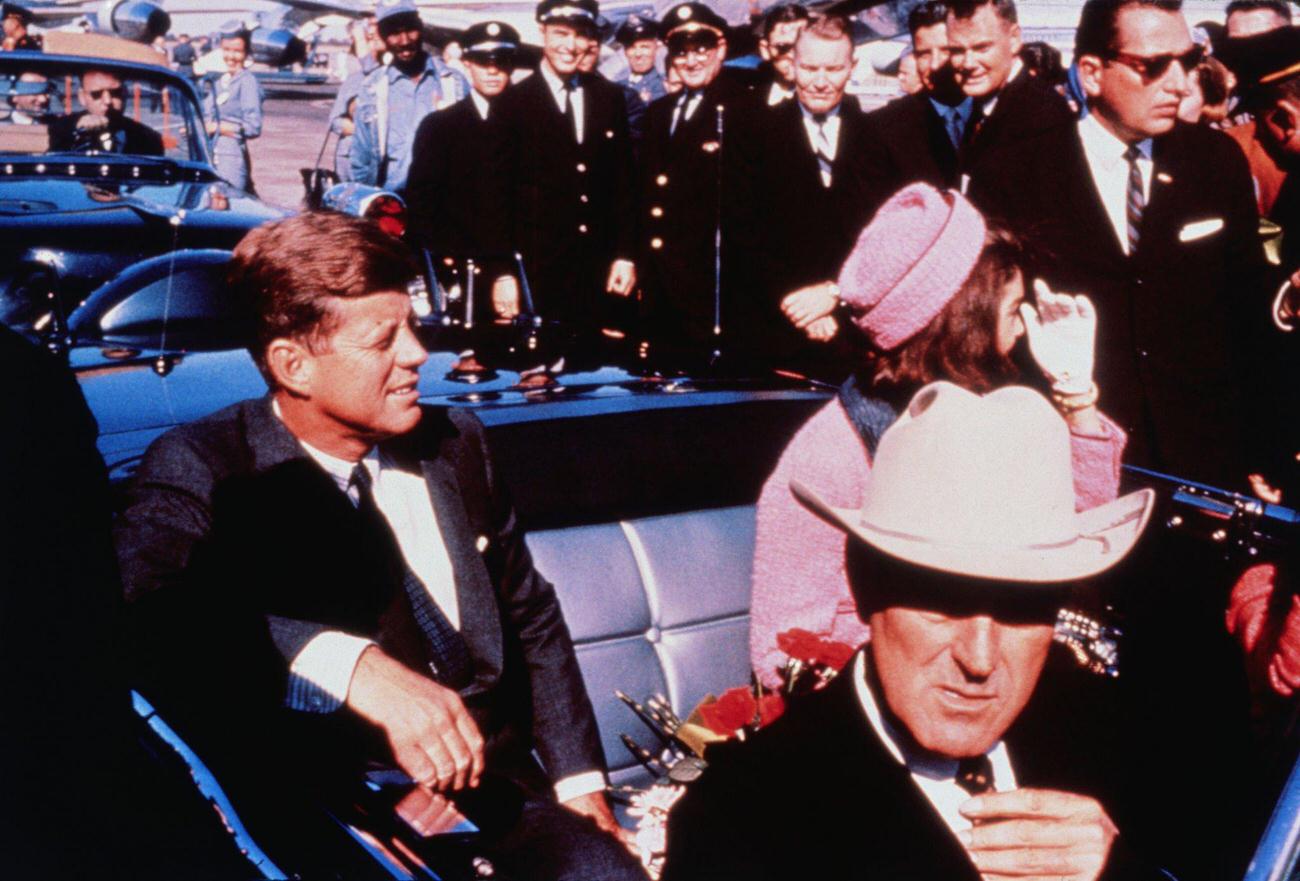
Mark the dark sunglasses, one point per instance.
(100, 94)
(779, 49)
(695, 44)
(1152, 67)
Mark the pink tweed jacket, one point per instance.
(799, 578)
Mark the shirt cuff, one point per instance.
(576, 785)
(321, 673)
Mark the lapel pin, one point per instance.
(1164, 178)
(481, 543)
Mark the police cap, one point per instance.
(489, 40)
(581, 12)
(1263, 59)
(690, 18)
(22, 12)
(636, 28)
(388, 10)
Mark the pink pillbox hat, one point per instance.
(910, 261)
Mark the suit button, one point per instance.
(582, 228)
(1143, 353)
(582, 167)
(583, 199)
(662, 180)
(656, 211)
(656, 243)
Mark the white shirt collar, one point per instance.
(555, 84)
(991, 104)
(1102, 142)
(339, 469)
(480, 103)
(779, 92)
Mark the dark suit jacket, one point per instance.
(140, 139)
(818, 795)
(1176, 320)
(906, 143)
(1026, 110)
(457, 169)
(569, 206)
(680, 184)
(784, 229)
(237, 549)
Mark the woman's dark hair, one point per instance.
(960, 343)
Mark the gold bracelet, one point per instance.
(1076, 402)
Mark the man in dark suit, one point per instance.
(364, 591)
(681, 165)
(101, 126)
(1011, 106)
(1157, 223)
(457, 171)
(794, 208)
(939, 752)
(570, 178)
(916, 137)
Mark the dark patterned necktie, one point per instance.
(1136, 202)
(975, 775)
(448, 655)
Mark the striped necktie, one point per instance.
(822, 147)
(448, 655)
(1136, 202)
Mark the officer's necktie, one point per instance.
(448, 655)
(975, 774)
(570, 112)
(683, 109)
(1136, 202)
(822, 147)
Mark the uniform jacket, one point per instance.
(680, 185)
(784, 229)
(650, 87)
(129, 136)
(1175, 321)
(907, 143)
(389, 108)
(231, 524)
(239, 103)
(569, 206)
(818, 795)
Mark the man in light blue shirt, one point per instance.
(397, 96)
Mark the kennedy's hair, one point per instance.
(927, 15)
(1281, 7)
(286, 273)
(1098, 31)
(960, 343)
(783, 13)
(964, 9)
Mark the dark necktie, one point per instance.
(953, 125)
(823, 148)
(1136, 202)
(570, 112)
(680, 111)
(975, 775)
(448, 655)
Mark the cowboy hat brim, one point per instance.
(1104, 536)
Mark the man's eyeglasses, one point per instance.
(1152, 67)
(101, 94)
(780, 49)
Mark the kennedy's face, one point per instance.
(362, 376)
(641, 56)
(956, 683)
(1127, 95)
(821, 71)
(564, 45)
(101, 93)
(984, 48)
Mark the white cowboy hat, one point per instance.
(983, 486)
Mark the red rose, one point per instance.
(834, 654)
(770, 708)
(799, 644)
(731, 712)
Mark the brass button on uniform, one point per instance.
(583, 198)
(582, 166)
(662, 180)
(656, 211)
(656, 243)
(582, 227)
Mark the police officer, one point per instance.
(640, 40)
(684, 146)
(233, 107)
(368, 49)
(569, 167)
(456, 171)
(397, 96)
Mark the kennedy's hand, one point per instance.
(92, 122)
(1038, 833)
(505, 296)
(622, 278)
(809, 304)
(428, 813)
(433, 737)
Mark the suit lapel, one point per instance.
(1085, 204)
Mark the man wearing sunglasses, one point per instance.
(781, 28)
(101, 126)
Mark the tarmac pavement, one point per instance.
(293, 125)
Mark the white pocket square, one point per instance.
(1200, 229)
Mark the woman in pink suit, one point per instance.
(940, 294)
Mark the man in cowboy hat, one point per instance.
(937, 752)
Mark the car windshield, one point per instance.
(96, 111)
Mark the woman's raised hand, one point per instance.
(1062, 332)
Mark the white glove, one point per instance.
(1062, 331)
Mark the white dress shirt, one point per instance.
(826, 135)
(556, 85)
(1105, 156)
(779, 92)
(986, 108)
(480, 103)
(935, 777)
(321, 672)
(685, 108)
